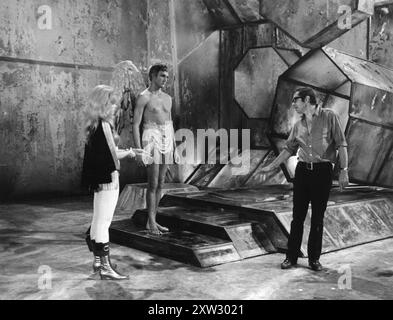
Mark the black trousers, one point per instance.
(311, 184)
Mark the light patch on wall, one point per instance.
(44, 21)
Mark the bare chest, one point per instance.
(159, 105)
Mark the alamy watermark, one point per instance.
(45, 278)
(345, 19)
(345, 281)
(44, 21)
(44, 16)
(200, 147)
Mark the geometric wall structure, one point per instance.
(231, 176)
(250, 63)
(233, 12)
(256, 79)
(361, 92)
(323, 22)
(311, 23)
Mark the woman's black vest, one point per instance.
(98, 162)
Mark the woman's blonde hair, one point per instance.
(99, 107)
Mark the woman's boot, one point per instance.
(107, 271)
(90, 245)
(97, 261)
(88, 240)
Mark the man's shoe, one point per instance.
(287, 264)
(315, 265)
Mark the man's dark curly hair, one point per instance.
(156, 68)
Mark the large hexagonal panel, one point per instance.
(256, 79)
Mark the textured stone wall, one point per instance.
(97, 32)
(46, 76)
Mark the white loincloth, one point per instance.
(158, 141)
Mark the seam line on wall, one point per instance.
(55, 64)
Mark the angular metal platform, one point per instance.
(183, 246)
(247, 236)
(213, 227)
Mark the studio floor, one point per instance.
(43, 256)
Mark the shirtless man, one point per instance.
(153, 109)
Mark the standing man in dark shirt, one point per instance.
(316, 138)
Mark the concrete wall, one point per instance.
(42, 92)
(97, 32)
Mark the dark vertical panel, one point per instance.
(231, 52)
(259, 35)
(198, 78)
(197, 46)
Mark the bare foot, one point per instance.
(152, 228)
(162, 229)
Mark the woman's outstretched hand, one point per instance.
(141, 156)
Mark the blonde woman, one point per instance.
(100, 174)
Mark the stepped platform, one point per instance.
(184, 246)
(211, 227)
(247, 236)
